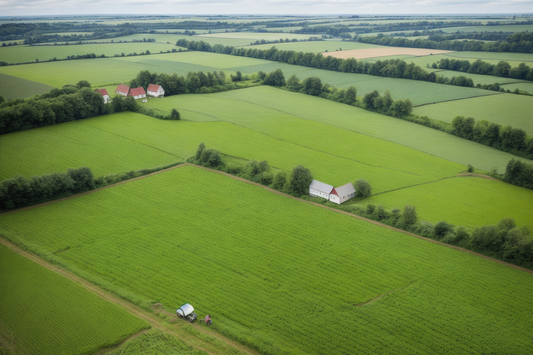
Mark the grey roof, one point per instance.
(345, 190)
(320, 186)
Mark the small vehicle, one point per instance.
(187, 311)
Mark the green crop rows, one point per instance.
(504, 109)
(282, 274)
(44, 313)
(16, 88)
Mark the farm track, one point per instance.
(154, 321)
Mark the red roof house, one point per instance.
(137, 93)
(104, 93)
(155, 90)
(123, 90)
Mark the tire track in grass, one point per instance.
(154, 321)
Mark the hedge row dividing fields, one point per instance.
(49, 314)
(282, 275)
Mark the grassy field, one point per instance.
(253, 36)
(502, 28)
(513, 57)
(124, 142)
(284, 275)
(479, 79)
(493, 200)
(155, 342)
(23, 54)
(12, 87)
(270, 103)
(43, 313)
(504, 109)
(526, 86)
(429, 60)
(317, 46)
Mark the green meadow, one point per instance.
(44, 313)
(527, 86)
(253, 36)
(316, 46)
(501, 28)
(504, 109)
(513, 57)
(282, 275)
(479, 79)
(467, 201)
(12, 87)
(243, 106)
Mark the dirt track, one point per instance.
(156, 322)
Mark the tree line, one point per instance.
(519, 173)
(20, 191)
(502, 69)
(59, 105)
(506, 138)
(522, 46)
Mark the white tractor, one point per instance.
(187, 311)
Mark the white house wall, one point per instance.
(317, 193)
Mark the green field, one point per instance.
(502, 28)
(493, 200)
(24, 54)
(12, 87)
(479, 79)
(42, 312)
(527, 86)
(270, 103)
(253, 36)
(155, 342)
(504, 109)
(316, 46)
(510, 57)
(284, 275)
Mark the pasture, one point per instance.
(504, 109)
(44, 313)
(384, 52)
(525, 86)
(316, 46)
(510, 57)
(12, 87)
(493, 200)
(501, 28)
(252, 258)
(254, 36)
(479, 79)
(25, 54)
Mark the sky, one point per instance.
(277, 7)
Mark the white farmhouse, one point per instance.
(155, 90)
(138, 93)
(320, 189)
(123, 90)
(104, 93)
(340, 194)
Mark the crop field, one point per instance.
(155, 342)
(253, 36)
(44, 313)
(145, 142)
(501, 28)
(384, 52)
(504, 109)
(493, 200)
(509, 57)
(23, 54)
(222, 106)
(316, 46)
(258, 262)
(104, 152)
(525, 86)
(480, 79)
(12, 87)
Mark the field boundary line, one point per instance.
(464, 98)
(151, 318)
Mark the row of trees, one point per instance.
(194, 82)
(502, 69)
(506, 138)
(523, 46)
(20, 192)
(386, 105)
(393, 68)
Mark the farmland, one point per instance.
(383, 52)
(18, 88)
(504, 109)
(44, 313)
(320, 265)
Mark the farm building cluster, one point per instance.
(137, 93)
(336, 195)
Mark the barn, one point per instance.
(340, 194)
(155, 90)
(138, 93)
(123, 90)
(104, 93)
(320, 189)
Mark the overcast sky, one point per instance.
(305, 7)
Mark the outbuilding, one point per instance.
(123, 90)
(340, 194)
(155, 90)
(104, 93)
(320, 189)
